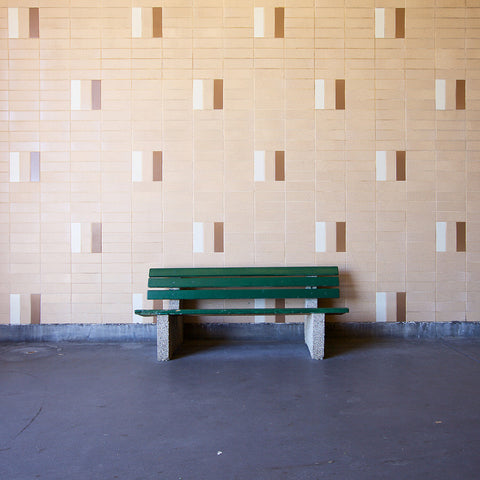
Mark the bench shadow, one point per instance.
(334, 347)
(337, 346)
(195, 346)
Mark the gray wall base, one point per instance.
(420, 330)
(78, 333)
(295, 331)
(262, 332)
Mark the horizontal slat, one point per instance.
(243, 293)
(239, 271)
(208, 282)
(243, 311)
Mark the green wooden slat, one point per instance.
(243, 293)
(238, 271)
(207, 282)
(243, 311)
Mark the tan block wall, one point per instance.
(308, 132)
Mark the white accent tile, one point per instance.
(381, 158)
(34, 166)
(137, 304)
(198, 237)
(14, 309)
(198, 94)
(137, 170)
(320, 237)
(136, 22)
(381, 307)
(319, 94)
(259, 165)
(76, 95)
(379, 23)
(76, 237)
(258, 22)
(14, 166)
(440, 94)
(259, 303)
(441, 236)
(13, 23)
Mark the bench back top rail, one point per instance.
(243, 271)
(243, 283)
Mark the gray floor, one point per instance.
(392, 409)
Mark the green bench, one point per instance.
(247, 284)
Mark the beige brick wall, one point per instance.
(148, 133)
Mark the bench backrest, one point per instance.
(243, 282)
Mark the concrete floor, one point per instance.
(394, 409)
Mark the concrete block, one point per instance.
(169, 335)
(315, 334)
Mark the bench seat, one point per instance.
(242, 311)
(310, 284)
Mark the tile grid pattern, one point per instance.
(299, 104)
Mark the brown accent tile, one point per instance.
(340, 94)
(157, 166)
(401, 167)
(279, 22)
(280, 303)
(401, 306)
(341, 236)
(96, 238)
(399, 23)
(157, 22)
(218, 94)
(218, 237)
(280, 166)
(34, 166)
(460, 95)
(35, 308)
(96, 94)
(34, 28)
(461, 237)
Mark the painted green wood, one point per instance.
(227, 283)
(243, 311)
(222, 282)
(239, 271)
(243, 293)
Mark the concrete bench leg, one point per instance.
(169, 332)
(315, 334)
(169, 335)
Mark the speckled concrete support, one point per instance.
(315, 334)
(169, 333)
